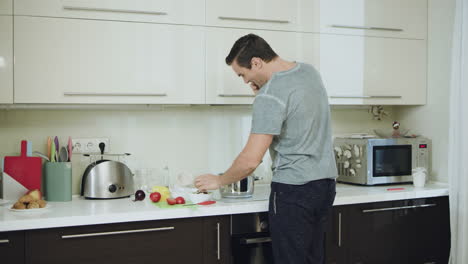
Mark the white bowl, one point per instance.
(200, 197)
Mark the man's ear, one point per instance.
(256, 63)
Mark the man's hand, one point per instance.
(207, 182)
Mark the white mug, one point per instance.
(419, 177)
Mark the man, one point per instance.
(291, 116)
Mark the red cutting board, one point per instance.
(25, 170)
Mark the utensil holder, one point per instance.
(58, 181)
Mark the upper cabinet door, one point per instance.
(292, 15)
(6, 59)
(6, 7)
(223, 86)
(108, 62)
(157, 11)
(367, 70)
(385, 18)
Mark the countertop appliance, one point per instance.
(373, 161)
(107, 179)
(240, 189)
(250, 239)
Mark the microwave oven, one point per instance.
(373, 161)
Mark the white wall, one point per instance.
(194, 139)
(432, 119)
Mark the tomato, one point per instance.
(171, 201)
(155, 197)
(180, 200)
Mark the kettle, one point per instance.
(240, 189)
(106, 179)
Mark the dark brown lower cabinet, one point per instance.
(415, 231)
(217, 240)
(165, 241)
(12, 247)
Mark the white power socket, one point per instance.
(89, 145)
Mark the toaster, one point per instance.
(107, 179)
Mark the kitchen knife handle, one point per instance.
(4, 241)
(254, 19)
(119, 232)
(218, 240)
(367, 28)
(398, 208)
(113, 10)
(113, 94)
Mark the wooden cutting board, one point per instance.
(24, 169)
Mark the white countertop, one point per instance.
(90, 212)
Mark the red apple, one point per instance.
(36, 194)
(180, 200)
(155, 197)
(171, 201)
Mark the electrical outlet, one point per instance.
(89, 145)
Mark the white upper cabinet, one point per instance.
(367, 70)
(6, 7)
(157, 11)
(385, 18)
(6, 59)
(107, 62)
(223, 86)
(292, 15)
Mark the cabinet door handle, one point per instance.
(113, 10)
(367, 96)
(368, 28)
(339, 229)
(259, 240)
(398, 208)
(236, 95)
(4, 241)
(119, 232)
(113, 94)
(254, 19)
(218, 240)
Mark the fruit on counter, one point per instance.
(180, 200)
(139, 195)
(36, 194)
(171, 201)
(163, 190)
(31, 200)
(155, 197)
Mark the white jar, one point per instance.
(419, 177)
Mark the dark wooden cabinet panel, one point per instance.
(217, 240)
(415, 231)
(12, 247)
(169, 241)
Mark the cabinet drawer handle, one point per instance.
(119, 232)
(367, 96)
(4, 241)
(254, 19)
(248, 241)
(368, 28)
(398, 208)
(236, 95)
(113, 94)
(339, 229)
(218, 241)
(103, 9)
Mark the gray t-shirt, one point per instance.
(293, 106)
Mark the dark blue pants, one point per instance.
(298, 216)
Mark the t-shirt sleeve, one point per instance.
(268, 115)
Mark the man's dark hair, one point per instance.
(247, 47)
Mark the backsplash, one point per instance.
(184, 139)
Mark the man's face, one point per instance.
(252, 76)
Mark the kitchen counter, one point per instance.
(90, 212)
